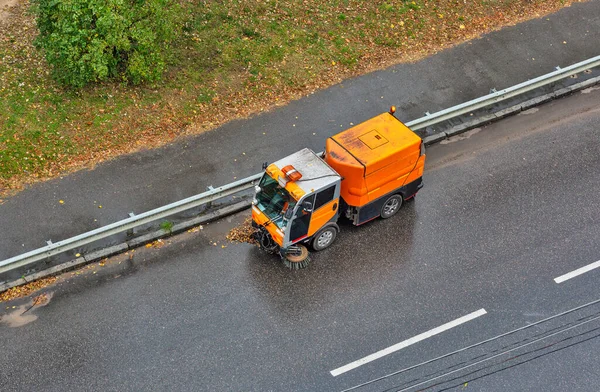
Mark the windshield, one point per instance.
(272, 199)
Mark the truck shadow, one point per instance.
(376, 254)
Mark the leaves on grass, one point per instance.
(233, 59)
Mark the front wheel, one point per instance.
(391, 206)
(324, 238)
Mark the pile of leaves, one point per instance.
(243, 233)
(26, 289)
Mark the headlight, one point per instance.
(254, 201)
(256, 189)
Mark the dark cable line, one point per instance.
(317, 178)
(497, 355)
(472, 346)
(529, 360)
(495, 351)
(507, 360)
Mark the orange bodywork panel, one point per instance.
(321, 216)
(354, 186)
(375, 158)
(261, 219)
(417, 171)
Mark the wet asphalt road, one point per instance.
(504, 211)
(147, 180)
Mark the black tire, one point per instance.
(391, 206)
(324, 238)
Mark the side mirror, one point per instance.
(265, 165)
(288, 213)
(307, 206)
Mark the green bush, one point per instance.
(92, 40)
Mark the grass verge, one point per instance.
(233, 58)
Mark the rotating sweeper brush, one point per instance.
(296, 257)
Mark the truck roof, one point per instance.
(376, 139)
(316, 174)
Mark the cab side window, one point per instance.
(324, 197)
(301, 220)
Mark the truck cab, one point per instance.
(296, 196)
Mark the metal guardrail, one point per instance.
(195, 201)
(498, 96)
(127, 224)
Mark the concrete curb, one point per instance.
(128, 245)
(242, 205)
(515, 109)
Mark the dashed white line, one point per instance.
(577, 272)
(408, 342)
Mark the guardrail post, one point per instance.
(48, 242)
(129, 232)
(210, 189)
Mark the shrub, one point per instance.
(92, 40)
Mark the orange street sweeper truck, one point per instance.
(367, 171)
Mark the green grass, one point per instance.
(167, 226)
(242, 54)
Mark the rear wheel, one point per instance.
(391, 206)
(324, 238)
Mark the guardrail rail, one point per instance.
(213, 194)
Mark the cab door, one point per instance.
(325, 208)
(301, 221)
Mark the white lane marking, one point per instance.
(406, 343)
(577, 272)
